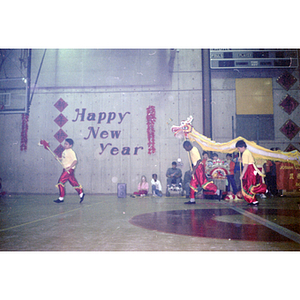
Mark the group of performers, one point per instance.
(250, 176)
(251, 185)
(251, 182)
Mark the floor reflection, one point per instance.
(221, 223)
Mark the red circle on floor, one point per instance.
(220, 223)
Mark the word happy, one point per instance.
(101, 116)
(105, 118)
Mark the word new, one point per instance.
(103, 134)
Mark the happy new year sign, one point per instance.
(95, 132)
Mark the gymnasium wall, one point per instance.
(118, 106)
(223, 91)
(100, 99)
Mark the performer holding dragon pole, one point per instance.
(198, 174)
(68, 162)
(250, 183)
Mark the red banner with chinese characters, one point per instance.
(288, 176)
(151, 118)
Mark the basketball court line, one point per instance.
(49, 217)
(275, 227)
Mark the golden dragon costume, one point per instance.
(186, 130)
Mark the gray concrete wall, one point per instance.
(120, 83)
(123, 82)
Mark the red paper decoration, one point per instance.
(59, 150)
(286, 80)
(61, 104)
(288, 104)
(24, 139)
(151, 118)
(290, 129)
(61, 120)
(60, 135)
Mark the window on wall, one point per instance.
(254, 108)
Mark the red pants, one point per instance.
(141, 192)
(199, 178)
(64, 177)
(252, 185)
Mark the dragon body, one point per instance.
(187, 131)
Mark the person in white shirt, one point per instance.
(156, 186)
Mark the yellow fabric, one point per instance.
(257, 151)
(258, 171)
(195, 155)
(260, 162)
(247, 158)
(68, 156)
(186, 130)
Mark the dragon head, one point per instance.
(183, 129)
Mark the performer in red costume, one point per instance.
(68, 162)
(251, 185)
(198, 174)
